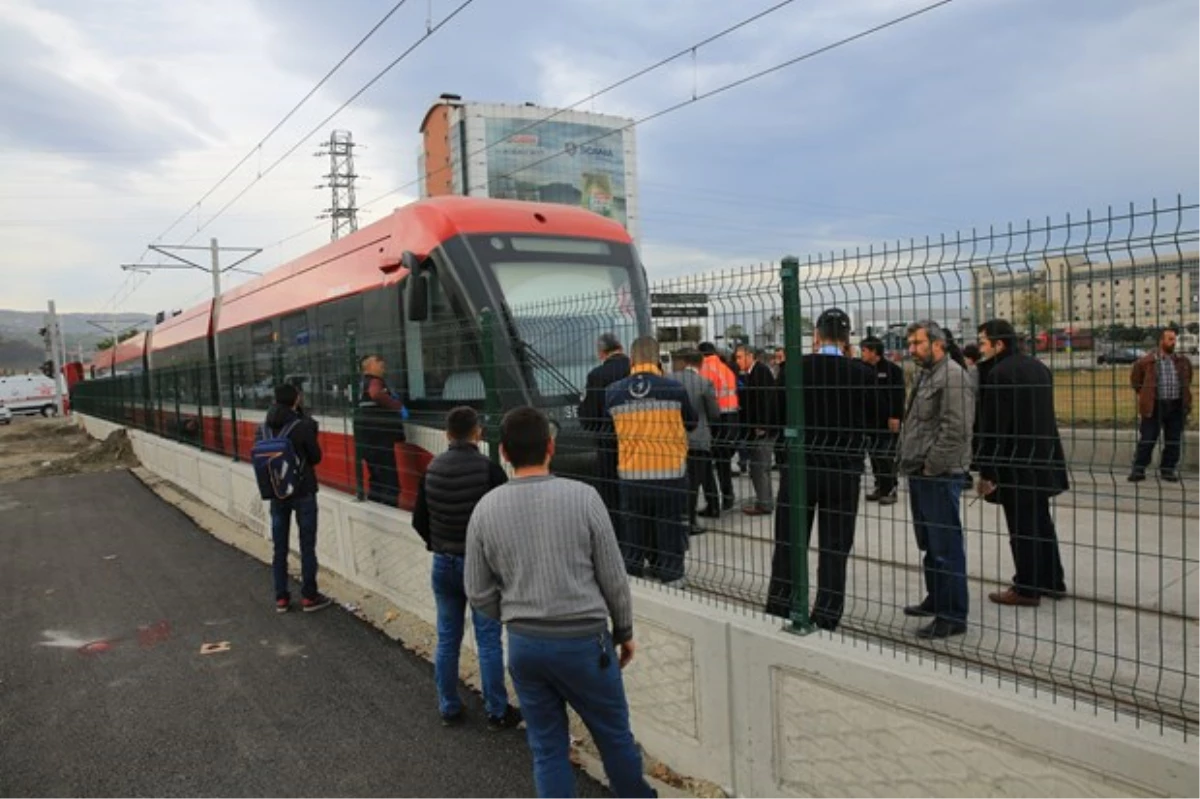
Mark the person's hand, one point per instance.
(625, 653)
(894, 425)
(984, 487)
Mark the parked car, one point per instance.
(1119, 355)
(5, 414)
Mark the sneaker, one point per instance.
(511, 718)
(313, 604)
(454, 719)
(283, 604)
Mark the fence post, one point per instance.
(793, 431)
(199, 404)
(233, 420)
(491, 401)
(352, 371)
(178, 413)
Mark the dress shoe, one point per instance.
(1170, 475)
(1056, 594)
(696, 530)
(710, 513)
(921, 610)
(874, 496)
(942, 628)
(1136, 477)
(727, 504)
(1009, 596)
(755, 510)
(888, 499)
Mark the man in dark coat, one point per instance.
(614, 366)
(1021, 461)
(838, 400)
(889, 409)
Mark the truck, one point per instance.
(32, 393)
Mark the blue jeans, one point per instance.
(451, 611)
(655, 527)
(935, 510)
(549, 674)
(281, 524)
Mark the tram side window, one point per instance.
(293, 330)
(261, 391)
(443, 351)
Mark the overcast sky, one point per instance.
(117, 116)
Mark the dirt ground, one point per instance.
(33, 446)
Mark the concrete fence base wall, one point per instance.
(736, 700)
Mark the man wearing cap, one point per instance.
(614, 366)
(838, 395)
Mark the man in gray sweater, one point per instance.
(543, 558)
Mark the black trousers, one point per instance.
(608, 485)
(832, 498)
(1033, 540)
(382, 475)
(725, 444)
(700, 475)
(883, 461)
(1168, 418)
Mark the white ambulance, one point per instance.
(28, 394)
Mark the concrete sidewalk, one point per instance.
(108, 599)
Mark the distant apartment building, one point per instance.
(1086, 294)
(525, 152)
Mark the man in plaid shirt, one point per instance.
(1163, 382)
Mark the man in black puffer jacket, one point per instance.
(453, 484)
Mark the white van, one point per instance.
(28, 394)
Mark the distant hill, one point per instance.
(21, 347)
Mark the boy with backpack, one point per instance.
(284, 455)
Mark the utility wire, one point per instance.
(257, 148)
(743, 81)
(138, 278)
(686, 51)
(316, 129)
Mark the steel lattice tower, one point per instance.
(343, 211)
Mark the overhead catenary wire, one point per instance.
(430, 32)
(258, 147)
(688, 51)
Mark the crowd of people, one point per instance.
(549, 557)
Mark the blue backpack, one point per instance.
(276, 465)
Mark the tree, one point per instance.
(1193, 328)
(107, 343)
(1036, 310)
(736, 334)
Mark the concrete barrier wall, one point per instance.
(736, 700)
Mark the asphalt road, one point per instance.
(107, 596)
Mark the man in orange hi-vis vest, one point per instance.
(725, 432)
